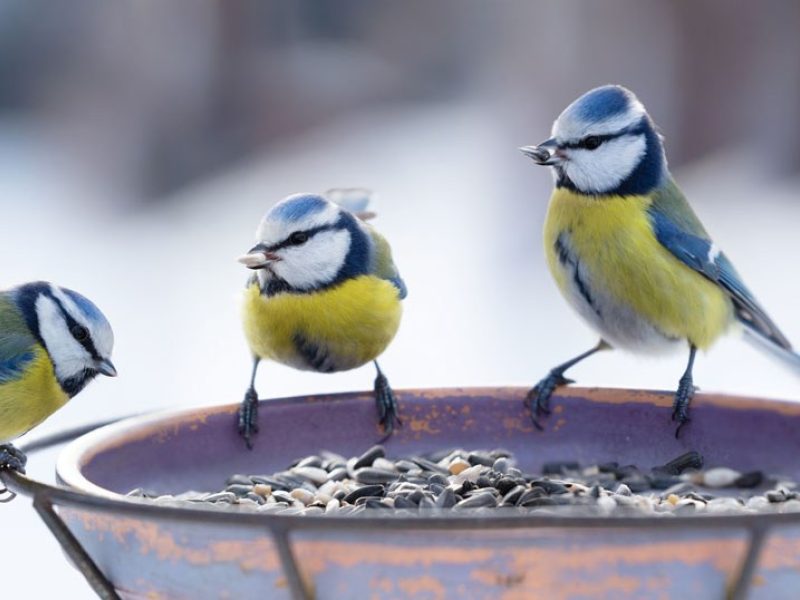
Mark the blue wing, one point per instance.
(679, 230)
(17, 344)
(13, 368)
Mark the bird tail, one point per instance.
(355, 200)
(786, 355)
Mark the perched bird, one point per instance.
(53, 341)
(628, 252)
(325, 296)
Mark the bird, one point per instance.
(628, 252)
(53, 342)
(325, 296)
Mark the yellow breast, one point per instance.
(613, 240)
(26, 402)
(336, 329)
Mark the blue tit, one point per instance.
(53, 342)
(325, 295)
(628, 252)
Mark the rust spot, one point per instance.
(385, 585)
(420, 425)
(781, 553)
(513, 424)
(417, 586)
(317, 556)
(496, 578)
(149, 537)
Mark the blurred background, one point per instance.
(141, 142)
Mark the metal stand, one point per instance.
(94, 577)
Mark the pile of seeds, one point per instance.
(486, 481)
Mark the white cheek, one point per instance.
(102, 335)
(316, 262)
(68, 356)
(603, 169)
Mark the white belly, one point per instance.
(616, 322)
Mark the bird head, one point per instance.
(604, 143)
(76, 335)
(305, 243)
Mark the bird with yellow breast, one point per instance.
(628, 252)
(53, 342)
(325, 296)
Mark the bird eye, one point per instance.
(80, 333)
(591, 142)
(298, 237)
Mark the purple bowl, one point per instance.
(204, 553)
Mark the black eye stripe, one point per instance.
(87, 343)
(581, 144)
(600, 139)
(309, 232)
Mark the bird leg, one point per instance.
(684, 395)
(538, 398)
(386, 403)
(248, 411)
(12, 458)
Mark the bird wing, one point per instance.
(679, 230)
(17, 343)
(384, 266)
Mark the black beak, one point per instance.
(543, 154)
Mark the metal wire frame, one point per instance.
(47, 497)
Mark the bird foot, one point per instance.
(538, 398)
(680, 405)
(248, 417)
(12, 458)
(387, 406)
(6, 495)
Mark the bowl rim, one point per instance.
(80, 491)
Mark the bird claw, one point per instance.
(6, 495)
(387, 406)
(538, 398)
(248, 417)
(12, 458)
(680, 405)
